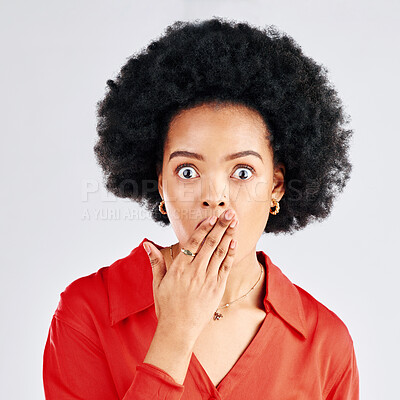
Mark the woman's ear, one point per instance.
(279, 181)
(159, 177)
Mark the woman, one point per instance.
(223, 131)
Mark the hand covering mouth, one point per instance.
(205, 219)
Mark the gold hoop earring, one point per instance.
(276, 205)
(161, 207)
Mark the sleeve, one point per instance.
(75, 368)
(346, 386)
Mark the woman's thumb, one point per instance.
(156, 260)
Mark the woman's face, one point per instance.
(201, 176)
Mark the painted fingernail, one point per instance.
(233, 223)
(229, 214)
(213, 220)
(233, 243)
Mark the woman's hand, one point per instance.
(189, 292)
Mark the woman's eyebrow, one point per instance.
(184, 153)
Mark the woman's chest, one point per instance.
(256, 357)
(223, 342)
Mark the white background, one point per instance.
(55, 59)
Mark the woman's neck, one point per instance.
(245, 273)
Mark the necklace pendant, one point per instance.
(217, 316)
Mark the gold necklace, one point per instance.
(218, 315)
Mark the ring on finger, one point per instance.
(188, 252)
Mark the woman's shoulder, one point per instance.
(302, 310)
(83, 291)
(330, 343)
(93, 285)
(324, 325)
(88, 298)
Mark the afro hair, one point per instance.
(223, 61)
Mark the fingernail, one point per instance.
(147, 248)
(233, 223)
(229, 214)
(233, 243)
(213, 220)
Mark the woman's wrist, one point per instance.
(170, 352)
(178, 339)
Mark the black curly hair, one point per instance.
(223, 61)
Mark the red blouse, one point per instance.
(104, 323)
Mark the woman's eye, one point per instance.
(186, 171)
(245, 173)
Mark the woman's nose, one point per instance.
(214, 204)
(215, 193)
